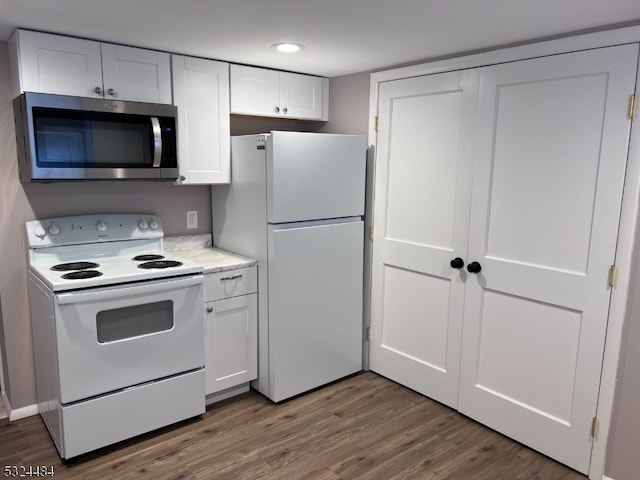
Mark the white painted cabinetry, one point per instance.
(270, 93)
(201, 93)
(231, 328)
(48, 63)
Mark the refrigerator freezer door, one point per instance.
(315, 306)
(314, 176)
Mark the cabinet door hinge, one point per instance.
(371, 232)
(594, 427)
(613, 273)
(375, 123)
(368, 333)
(632, 106)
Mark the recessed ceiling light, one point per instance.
(287, 47)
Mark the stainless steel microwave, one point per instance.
(62, 138)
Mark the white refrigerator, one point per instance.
(295, 203)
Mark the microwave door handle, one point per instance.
(157, 142)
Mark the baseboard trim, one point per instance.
(228, 393)
(5, 404)
(604, 477)
(18, 413)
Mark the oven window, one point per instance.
(134, 321)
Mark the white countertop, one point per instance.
(198, 249)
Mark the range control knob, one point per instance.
(142, 224)
(40, 232)
(153, 225)
(53, 229)
(101, 226)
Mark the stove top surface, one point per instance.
(69, 253)
(109, 270)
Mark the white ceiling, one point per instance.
(341, 36)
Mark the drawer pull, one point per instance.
(231, 277)
(209, 309)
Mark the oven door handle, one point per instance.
(157, 141)
(118, 292)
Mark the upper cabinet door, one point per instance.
(56, 64)
(47, 63)
(201, 93)
(301, 96)
(255, 91)
(136, 74)
(270, 93)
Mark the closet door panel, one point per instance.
(423, 176)
(549, 170)
(546, 155)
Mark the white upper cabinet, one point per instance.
(255, 91)
(270, 93)
(137, 74)
(55, 64)
(47, 63)
(201, 93)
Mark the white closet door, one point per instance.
(549, 170)
(423, 182)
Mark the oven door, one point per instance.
(119, 336)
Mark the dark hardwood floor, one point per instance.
(364, 427)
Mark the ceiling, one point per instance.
(341, 36)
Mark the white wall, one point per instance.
(349, 104)
(623, 461)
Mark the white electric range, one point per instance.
(117, 329)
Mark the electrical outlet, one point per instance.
(192, 219)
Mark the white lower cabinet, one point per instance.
(231, 328)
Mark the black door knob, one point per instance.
(457, 263)
(474, 267)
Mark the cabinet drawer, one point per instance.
(230, 283)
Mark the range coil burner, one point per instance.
(81, 274)
(147, 257)
(160, 264)
(65, 267)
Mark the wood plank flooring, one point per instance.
(364, 427)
